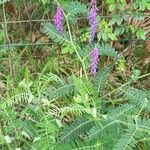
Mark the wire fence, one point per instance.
(45, 43)
(23, 45)
(8, 43)
(50, 43)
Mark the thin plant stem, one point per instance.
(73, 44)
(8, 41)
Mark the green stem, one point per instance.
(72, 43)
(8, 41)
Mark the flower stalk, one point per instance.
(92, 20)
(58, 19)
(94, 61)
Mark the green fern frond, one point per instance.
(50, 31)
(84, 87)
(136, 97)
(144, 123)
(75, 109)
(46, 127)
(76, 130)
(100, 79)
(108, 137)
(50, 77)
(60, 89)
(18, 99)
(121, 111)
(128, 141)
(108, 50)
(41, 130)
(111, 119)
(73, 9)
(41, 144)
(29, 130)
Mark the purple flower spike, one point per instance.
(94, 61)
(58, 20)
(92, 20)
(93, 24)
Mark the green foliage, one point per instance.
(74, 9)
(67, 48)
(83, 87)
(127, 141)
(3, 1)
(142, 5)
(121, 65)
(59, 105)
(75, 130)
(105, 32)
(100, 80)
(49, 30)
(59, 89)
(108, 50)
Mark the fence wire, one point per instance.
(50, 43)
(24, 45)
(44, 43)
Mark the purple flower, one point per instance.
(94, 61)
(93, 3)
(92, 19)
(58, 20)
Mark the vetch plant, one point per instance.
(94, 61)
(92, 19)
(76, 110)
(58, 19)
(67, 102)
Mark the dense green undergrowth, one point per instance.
(48, 98)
